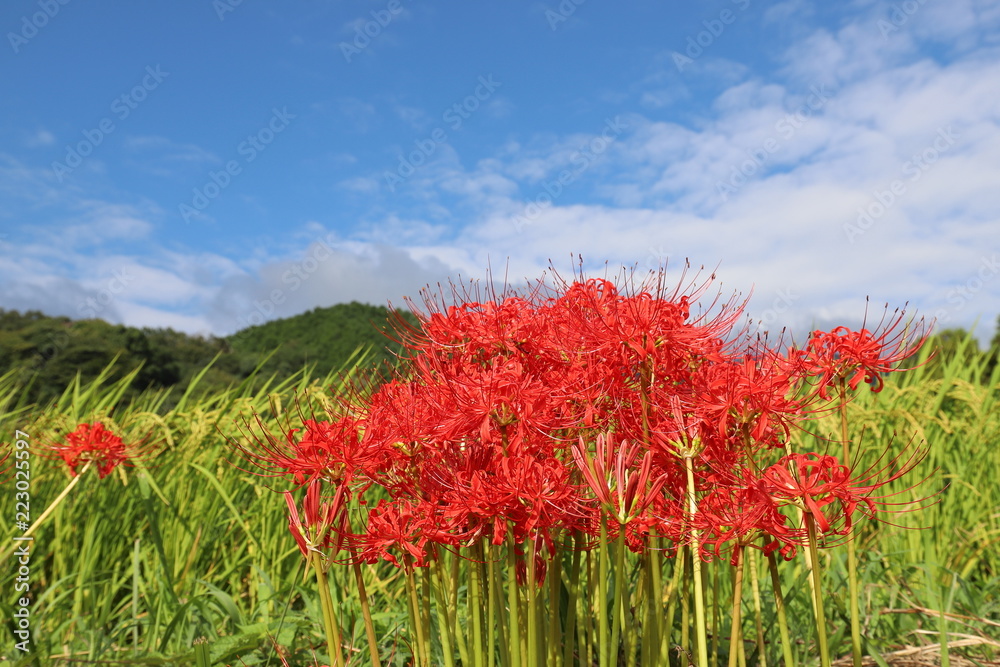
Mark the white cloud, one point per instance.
(40, 139)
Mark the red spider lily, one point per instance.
(623, 490)
(322, 523)
(541, 499)
(397, 533)
(92, 443)
(750, 399)
(847, 356)
(332, 451)
(816, 482)
(736, 515)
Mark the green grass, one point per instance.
(137, 567)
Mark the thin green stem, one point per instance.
(569, 643)
(649, 615)
(492, 621)
(673, 594)
(716, 613)
(699, 598)
(685, 599)
(853, 597)
(589, 611)
(757, 608)
(602, 598)
(425, 611)
(499, 610)
(617, 620)
(553, 639)
(736, 630)
(476, 605)
(824, 652)
(48, 510)
(514, 603)
(366, 612)
(779, 606)
(333, 641)
(419, 651)
(533, 650)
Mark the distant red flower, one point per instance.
(92, 443)
(843, 355)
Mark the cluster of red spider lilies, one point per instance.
(534, 417)
(581, 415)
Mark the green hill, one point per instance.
(46, 353)
(325, 337)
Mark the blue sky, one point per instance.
(208, 165)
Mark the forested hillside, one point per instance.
(46, 353)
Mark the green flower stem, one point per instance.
(48, 510)
(569, 643)
(824, 652)
(854, 595)
(499, 611)
(699, 598)
(716, 612)
(673, 594)
(649, 629)
(617, 620)
(425, 610)
(492, 620)
(330, 626)
(366, 612)
(779, 606)
(533, 653)
(589, 611)
(602, 598)
(685, 599)
(446, 620)
(513, 602)
(757, 608)
(736, 630)
(476, 605)
(420, 654)
(554, 640)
